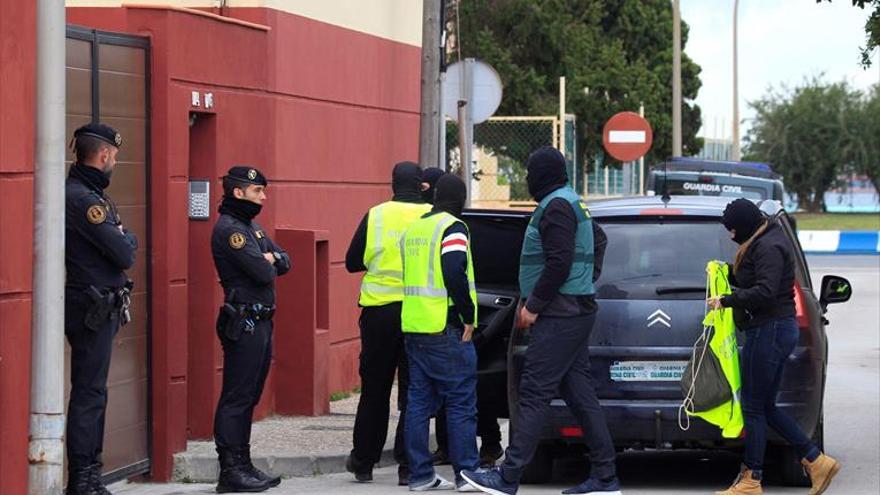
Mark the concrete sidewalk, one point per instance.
(290, 446)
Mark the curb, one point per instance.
(839, 242)
(192, 468)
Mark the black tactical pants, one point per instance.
(382, 354)
(558, 359)
(245, 368)
(89, 367)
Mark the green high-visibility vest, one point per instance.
(532, 259)
(727, 416)
(425, 301)
(386, 223)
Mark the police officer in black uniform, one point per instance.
(247, 261)
(97, 294)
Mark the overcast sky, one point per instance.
(780, 41)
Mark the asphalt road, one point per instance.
(852, 419)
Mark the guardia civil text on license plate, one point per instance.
(647, 371)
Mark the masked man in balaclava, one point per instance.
(375, 249)
(560, 262)
(438, 321)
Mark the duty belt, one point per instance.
(257, 311)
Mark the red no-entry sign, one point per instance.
(627, 136)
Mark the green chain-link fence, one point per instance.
(501, 147)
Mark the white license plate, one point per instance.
(647, 371)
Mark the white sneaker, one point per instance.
(438, 483)
(464, 486)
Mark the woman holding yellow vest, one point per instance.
(438, 321)
(763, 307)
(375, 248)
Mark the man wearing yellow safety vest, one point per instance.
(375, 248)
(561, 259)
(438, 321)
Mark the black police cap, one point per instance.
(247, 175)
(103, 132)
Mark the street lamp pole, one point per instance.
(736, 150)
(676, 79)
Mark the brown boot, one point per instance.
(744, 485)
(821, 472)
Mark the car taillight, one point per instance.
(571, 432)
(800, 308)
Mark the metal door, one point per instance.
(108, 81)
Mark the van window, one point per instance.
(652, 259)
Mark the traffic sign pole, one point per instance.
(642, 159)
(466, 126)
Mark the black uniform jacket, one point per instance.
(238, 249)
(98, 250)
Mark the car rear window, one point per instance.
(660, 259)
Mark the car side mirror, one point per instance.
(834, 290)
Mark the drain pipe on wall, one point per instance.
(46, 448)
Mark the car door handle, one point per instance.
(503, 301)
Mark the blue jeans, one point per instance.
(764, 354)
(442, 368)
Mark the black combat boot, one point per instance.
(79, 481)
(235, 475)
(260, 475)
(98, 487)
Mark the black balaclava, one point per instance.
(95, 179)
(450, 194)
(744, 217)
(430, 176)
(406, 179)
(241, 209)
(546, 172)
(241, 177)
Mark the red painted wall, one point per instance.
(325, 112)
(17, 52)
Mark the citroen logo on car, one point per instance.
(659, 317)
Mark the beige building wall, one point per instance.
(396, 20)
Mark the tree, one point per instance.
(872, 28)
(867, 147)
(809, 134)
(620, 50)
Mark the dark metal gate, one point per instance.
(108, 81)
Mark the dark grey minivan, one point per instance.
(651, 296)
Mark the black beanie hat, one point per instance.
(430, 176)
(450, 195)
(744, 217)
(546, 172)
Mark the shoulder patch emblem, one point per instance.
(237, 240)
(96, 214)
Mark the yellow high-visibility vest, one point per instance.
(386, 223)
(426, 301)
(727, 416)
